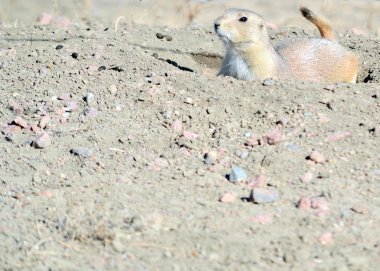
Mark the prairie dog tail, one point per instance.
(323, 27)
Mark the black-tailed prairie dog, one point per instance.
(249, 54)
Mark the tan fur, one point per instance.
(324, 28)
(250, 55)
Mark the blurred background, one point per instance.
(361, 17)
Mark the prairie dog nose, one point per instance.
(217, 23)
(216, 26)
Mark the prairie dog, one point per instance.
(249, 54)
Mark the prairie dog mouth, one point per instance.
(222, 35)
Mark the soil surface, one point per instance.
(123, 151)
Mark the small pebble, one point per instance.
(112, 89)
(43, 122)
(47, 193)
(160, 36)
(10, 129)
(307, 177)
(20, 122)
(189, 135)
(89, 98)
(35, 128)
(91, 112)
(317, 157)
(167, 114)
(304, 203)
(258, 181)
(323, 118)
(59, 47)
(262, 219)
(74, 55)
(338, 136)
(211, 157)
(244, 154)
(269, 82)
(237, 174)
(273, 138)
(253, 141)
(283, 121)
(177, 126)
(248, 134)
(71, 106)
(293, 147)
(81, 151)
(228, 198)
(189, 100)
(41, 141)
(320, 205)
(159, 164)
(326, 239)
(168, 37)
(360, 209)
(261, 195)
(102, 68)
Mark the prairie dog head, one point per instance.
(240, 27)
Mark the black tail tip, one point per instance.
(307, 13)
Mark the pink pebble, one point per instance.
(153, 90)
(307, 177)
(304, 203)
(228, 198)
(35, 128)
(184, 151)
(253, 141)
(41, 141)
(177, 126)
(159, 164)
(317, 157)
(273, 138)
(262, 219)
(320, 205)
(258, 181)
(323, 118)
(71, 106)
(20, 122)
(326, 239)
(47, 194)
(11, 129)
(338, 136)
(91, 112)
(189, 135)
(43, 122)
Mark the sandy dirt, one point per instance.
(117, 152)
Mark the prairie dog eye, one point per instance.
(243, 19)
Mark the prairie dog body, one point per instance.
(249, 54)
